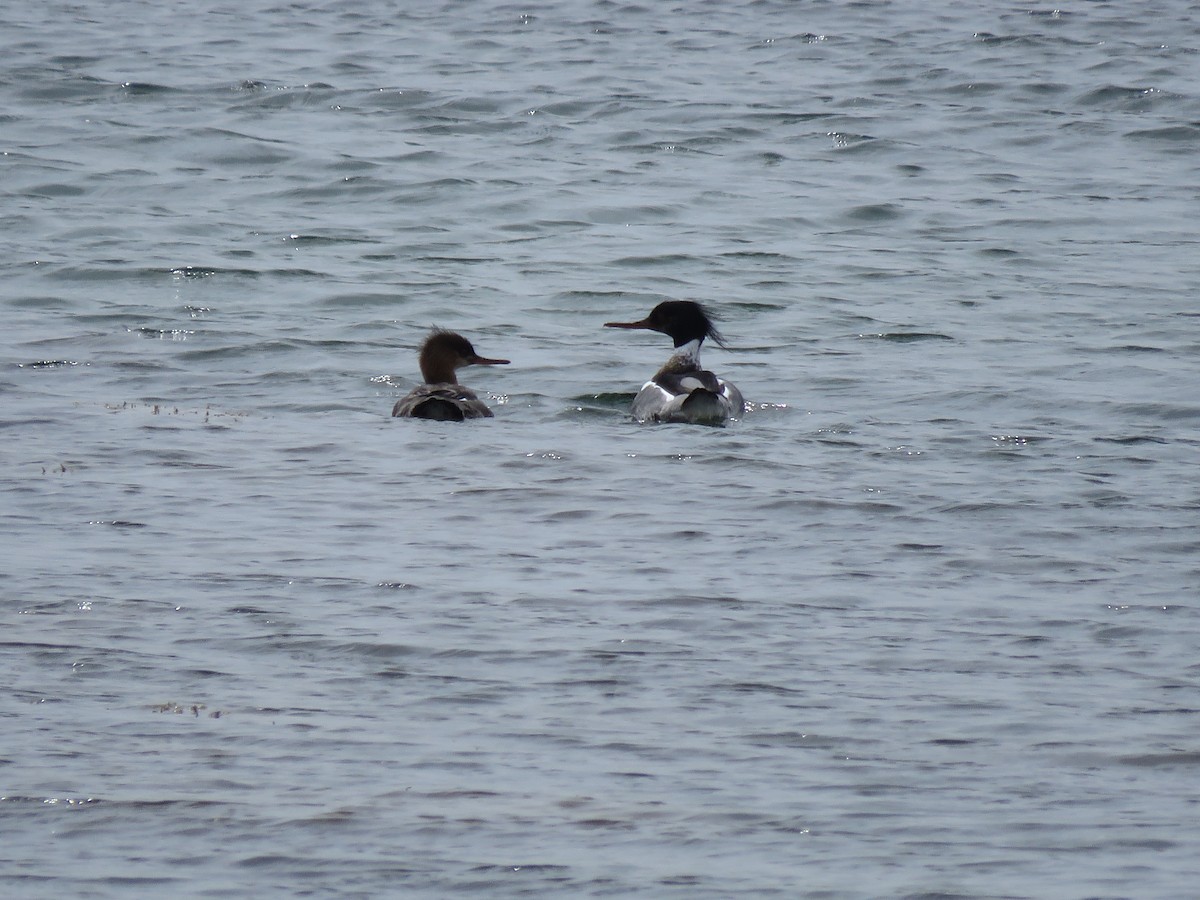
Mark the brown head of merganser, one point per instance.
(682, 391)
(441, 397)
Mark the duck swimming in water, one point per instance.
(441, 397)
(681, 391)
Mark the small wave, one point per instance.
(329, 239)
(907, 337)
(1157, 760)
(1171, 134)
(47, 364)
(1113, 95)
(51, 801)
(874, 212)
(1132, 439)
(640, 262)
(146, 88)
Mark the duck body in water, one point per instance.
(682, 390)
(441, 398)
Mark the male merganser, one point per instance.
(441, 397)
(681, 391)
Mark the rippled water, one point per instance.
(923, 624)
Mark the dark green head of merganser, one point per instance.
(682, 321)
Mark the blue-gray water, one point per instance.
(924, 624)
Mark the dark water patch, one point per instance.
(542, 227)
(821, 504)
(576, 109)
(146, 89)
(839, 442)
(605, 683)
(688, 601)
(662, 147)
(874, 213)
(952, 742)
(999, 178)
(1104, 499)
(254, 155)
(338, 190)
(1126, 348)
(666, 260)
(760, 115)
(319, 240)
(1044, 88)
(622, 215)
(141, 365)
(58, 89)
(362, 300)
(448, 126)
(756, 255)
(586, 413)
(1181, 758)
(367, 185)
(850, 144)
(753, 306)
(1171, 412)
(1132, 439)
(569, 515)
(974, 88)
(56, 189)
(1033, 42)
(234, 351)
(277, 98)
(795, 739)
(1119, 633)
(590, 294)
(507, 870)
(606, 824)
(467, 260)
(1128, 98)
(75, 60)
(973, 508)
(474, 104)
(1173, 137)
(758, 687)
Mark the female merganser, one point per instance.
(681, 391)
(441, 397)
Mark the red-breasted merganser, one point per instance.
(681, 391)
(441, 397)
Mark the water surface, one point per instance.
(922, 624)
